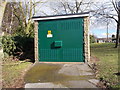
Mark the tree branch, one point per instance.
(64, 6)
(115, 6)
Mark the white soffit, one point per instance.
(59, 17)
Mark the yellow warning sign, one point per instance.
(49, 32)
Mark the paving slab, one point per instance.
(94, 81)
(77, 76)
(83, 67)
(76, 70)
(69, 69)
(84, 73)
(44, 85)
(80, 84)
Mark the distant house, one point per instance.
(104, 40)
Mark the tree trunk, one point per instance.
(2, 9)
(117, 35)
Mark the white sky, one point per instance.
(98, 30)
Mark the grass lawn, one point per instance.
(13, 72)
(107, 63)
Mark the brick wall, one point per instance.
(86, 39)
(36, 40)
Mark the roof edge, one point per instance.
(36, 18)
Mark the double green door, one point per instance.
(61, 40)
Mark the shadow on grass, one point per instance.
(118, 74)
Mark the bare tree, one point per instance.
(2, 8)
(70, 6)
(23, 12)
(9, 21)
(109, 10)
(27, 9)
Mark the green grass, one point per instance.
(12, 73)
(108, 61)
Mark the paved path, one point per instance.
(75, 76)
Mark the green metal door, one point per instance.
(61, 40)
